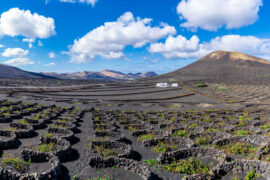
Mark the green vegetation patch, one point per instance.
(18, 164)
(191, 166)
(265, 127)
(251, 175)
(132, 128)
(239, 148)
(162, 147)
(223, 88)
(11, 129)
(102, 177)
(102, 151)
(146, 137)
(62, 121)
(202, 140)
(151, 162)
(201, 85)
(58, 126)
(192, 125)
(212, 130)
(180, 133)
(36, 117)
(48, 135)
(46, 147)
(242, 132)
(23, 122)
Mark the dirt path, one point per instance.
(81, 155)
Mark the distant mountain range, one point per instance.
(218, 66)
(106, 74)
(13, 72)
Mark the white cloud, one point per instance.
(180, 47)
(30, 41)
(52, 55)
(92, 2)
(19, 62)
(15, 52)
(213, 14)
(1, 45)
(176, 46)
(40, 43)
(109, 40)
(51, 64)
(17, 22)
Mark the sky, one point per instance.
(128, 36)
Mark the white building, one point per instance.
(175, 85)
(162, 85)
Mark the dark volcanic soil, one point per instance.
(139, 112)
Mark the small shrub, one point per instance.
(239, 148)
(265, 127)
(105, 152)
(47, 135)
(58, 126)
(180, 133)
(212, 130)
(46, 147)
(151, 162)
(59, 83)
(18, 164)
(207, 120)
(162, 147)
(223, 88)
(191, 166)
(62, 121)
(242, 132)
(202, 140)
(146, 137)
(11, 129)
(23, 122)
(201, 85)
(251, 175)
(192, 125)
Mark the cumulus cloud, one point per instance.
(15, 52)
(180, 47)
(18, 55)
(30, 41)
(15, 22)
(52, 55)
(1, 45)
(109, 40)
(19, 61)
(50, 64)
(212, 14)
(176, 46)
(92, 2)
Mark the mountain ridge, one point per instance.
(7, 71)
(106, 74)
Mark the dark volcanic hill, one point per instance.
(13, 72)
(223, 66)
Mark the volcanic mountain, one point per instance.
(13, 72)
(222, 66)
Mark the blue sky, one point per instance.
(128, 36)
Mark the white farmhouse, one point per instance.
(162, 85)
